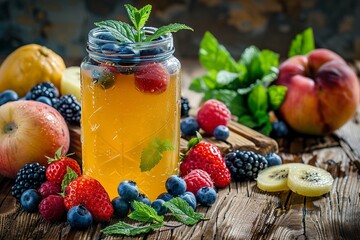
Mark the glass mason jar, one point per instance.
(130, 112)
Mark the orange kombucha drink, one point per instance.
(129, 133)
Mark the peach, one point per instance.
(323, 92)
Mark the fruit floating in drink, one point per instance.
(130, 85)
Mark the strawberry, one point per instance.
(205, 156)
(197, 179)
(91, 194)
(52, 208)
(152, 78)
(212, 114)
(57, 169)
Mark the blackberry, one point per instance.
(69, 108)
(45, 89)
(245, 165)
(31, 176)
(185, 107)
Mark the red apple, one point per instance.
(29, 131)
(323, 92)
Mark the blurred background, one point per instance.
(63, 25)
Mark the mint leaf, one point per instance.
(120, 30)
(276, 96)
(174, 27)
(257, 99)
(268, 60)
(123, 228)
(182, 211)
(234, 101)
(248, 121)
(214, 56)
(204, 83)
(69, 176)
(138, 17)
(153, 153)
(303, 43)
(145, 213)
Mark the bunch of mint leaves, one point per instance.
(150, 220)
(246, 86)
(126, 33)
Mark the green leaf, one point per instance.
(182, 211)
(173, 27)
(248, 121)
(228, 80)
(257, 99)
(214, 56)
(123, 228)
(153, 153)
(234, 101)
(204, 83)
(145, 213)
(266, 129)
(276, 96)
(303, 43)
(268, 60)
(69, 176)
(138, 17)
(120, 30)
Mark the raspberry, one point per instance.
(52, 208)
(212, 114)
(245, 165)
(197, 179)
(152, 78)
(49, 188)
(31, 176)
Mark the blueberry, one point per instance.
(125, 49)
(141, 198)
(30, 200)
(8, 96)
(221, 133)
(189, 126)
(79, 217)
(103, 77)
(165, 196)
(45, 100)
(151, 52)
(190, 198)
(273, 159)
(128, 190)
(110, 48)
(175, 185)
(106, 36)
(27, 96)
(206, 196)
(158, 206)
(280, 129)
(121, 207)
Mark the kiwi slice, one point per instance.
(274, 179)
(309, 181)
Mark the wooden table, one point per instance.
(242, 211)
